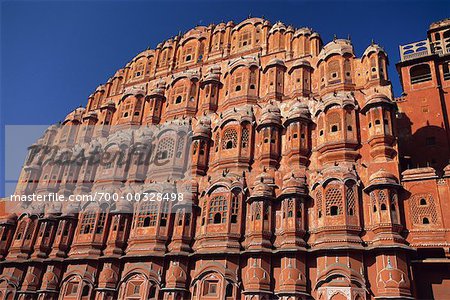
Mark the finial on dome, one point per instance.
(334, 38)
(372, 42)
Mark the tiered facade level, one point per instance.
(297, 185)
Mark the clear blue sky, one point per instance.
(55, 53)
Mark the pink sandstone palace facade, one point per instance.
(309, 179)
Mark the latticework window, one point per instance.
(87, 223)
(179, 93)
(179, 217)
(101, 223)
(373, 201)
(393, 196)
(382, 199)
(164, 212)
(217, 141)
(218, 210)
(188, 53)
(334, 122)
(256, 210)
(319, 203)
(423, 208)
(290, 208)
(347, 70)
(333, 201)
(244, 39)
(266, 210)
(350, 198)
(203, 212)
(147, 214)
(237, 81)
(180, 146)
(195, 147)
(234, 209)
(230, 138)
(334, 71)
(245, 137)
(166, 148)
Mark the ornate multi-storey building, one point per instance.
(297, 190)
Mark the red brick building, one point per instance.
(297, 187)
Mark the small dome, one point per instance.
(270, 114)
(373, 48)
(300, 63)
(110, 103)
(298, 110)
(75, 115)
(144, 53)
(278, 26)
(377, 99)
(219, 27)
(203, 127)
(275, 62)
(293, 184)
(168, 43)
(263, 186)
(382, 178)
(302, 31)
(337, 46)
(213, 75)
(290, 29)
(315, 35)
(159, 90)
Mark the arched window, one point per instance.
(85, 291)
(290, 210)
(334, 121)
(152, 292)
(229, 290)
(72, 287)
(165, 148)
(350, 198)
(420, 73)
(245, 136)
(87, 223)
(244, 38)
(229, 140)
(256, 211)
(147, 214)
(20, 230)
(425, 221)
(234, 209)
(423, 201)
(334, 71)
(333, 198)
(319, 203)
(218, 209)
(101, 223)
